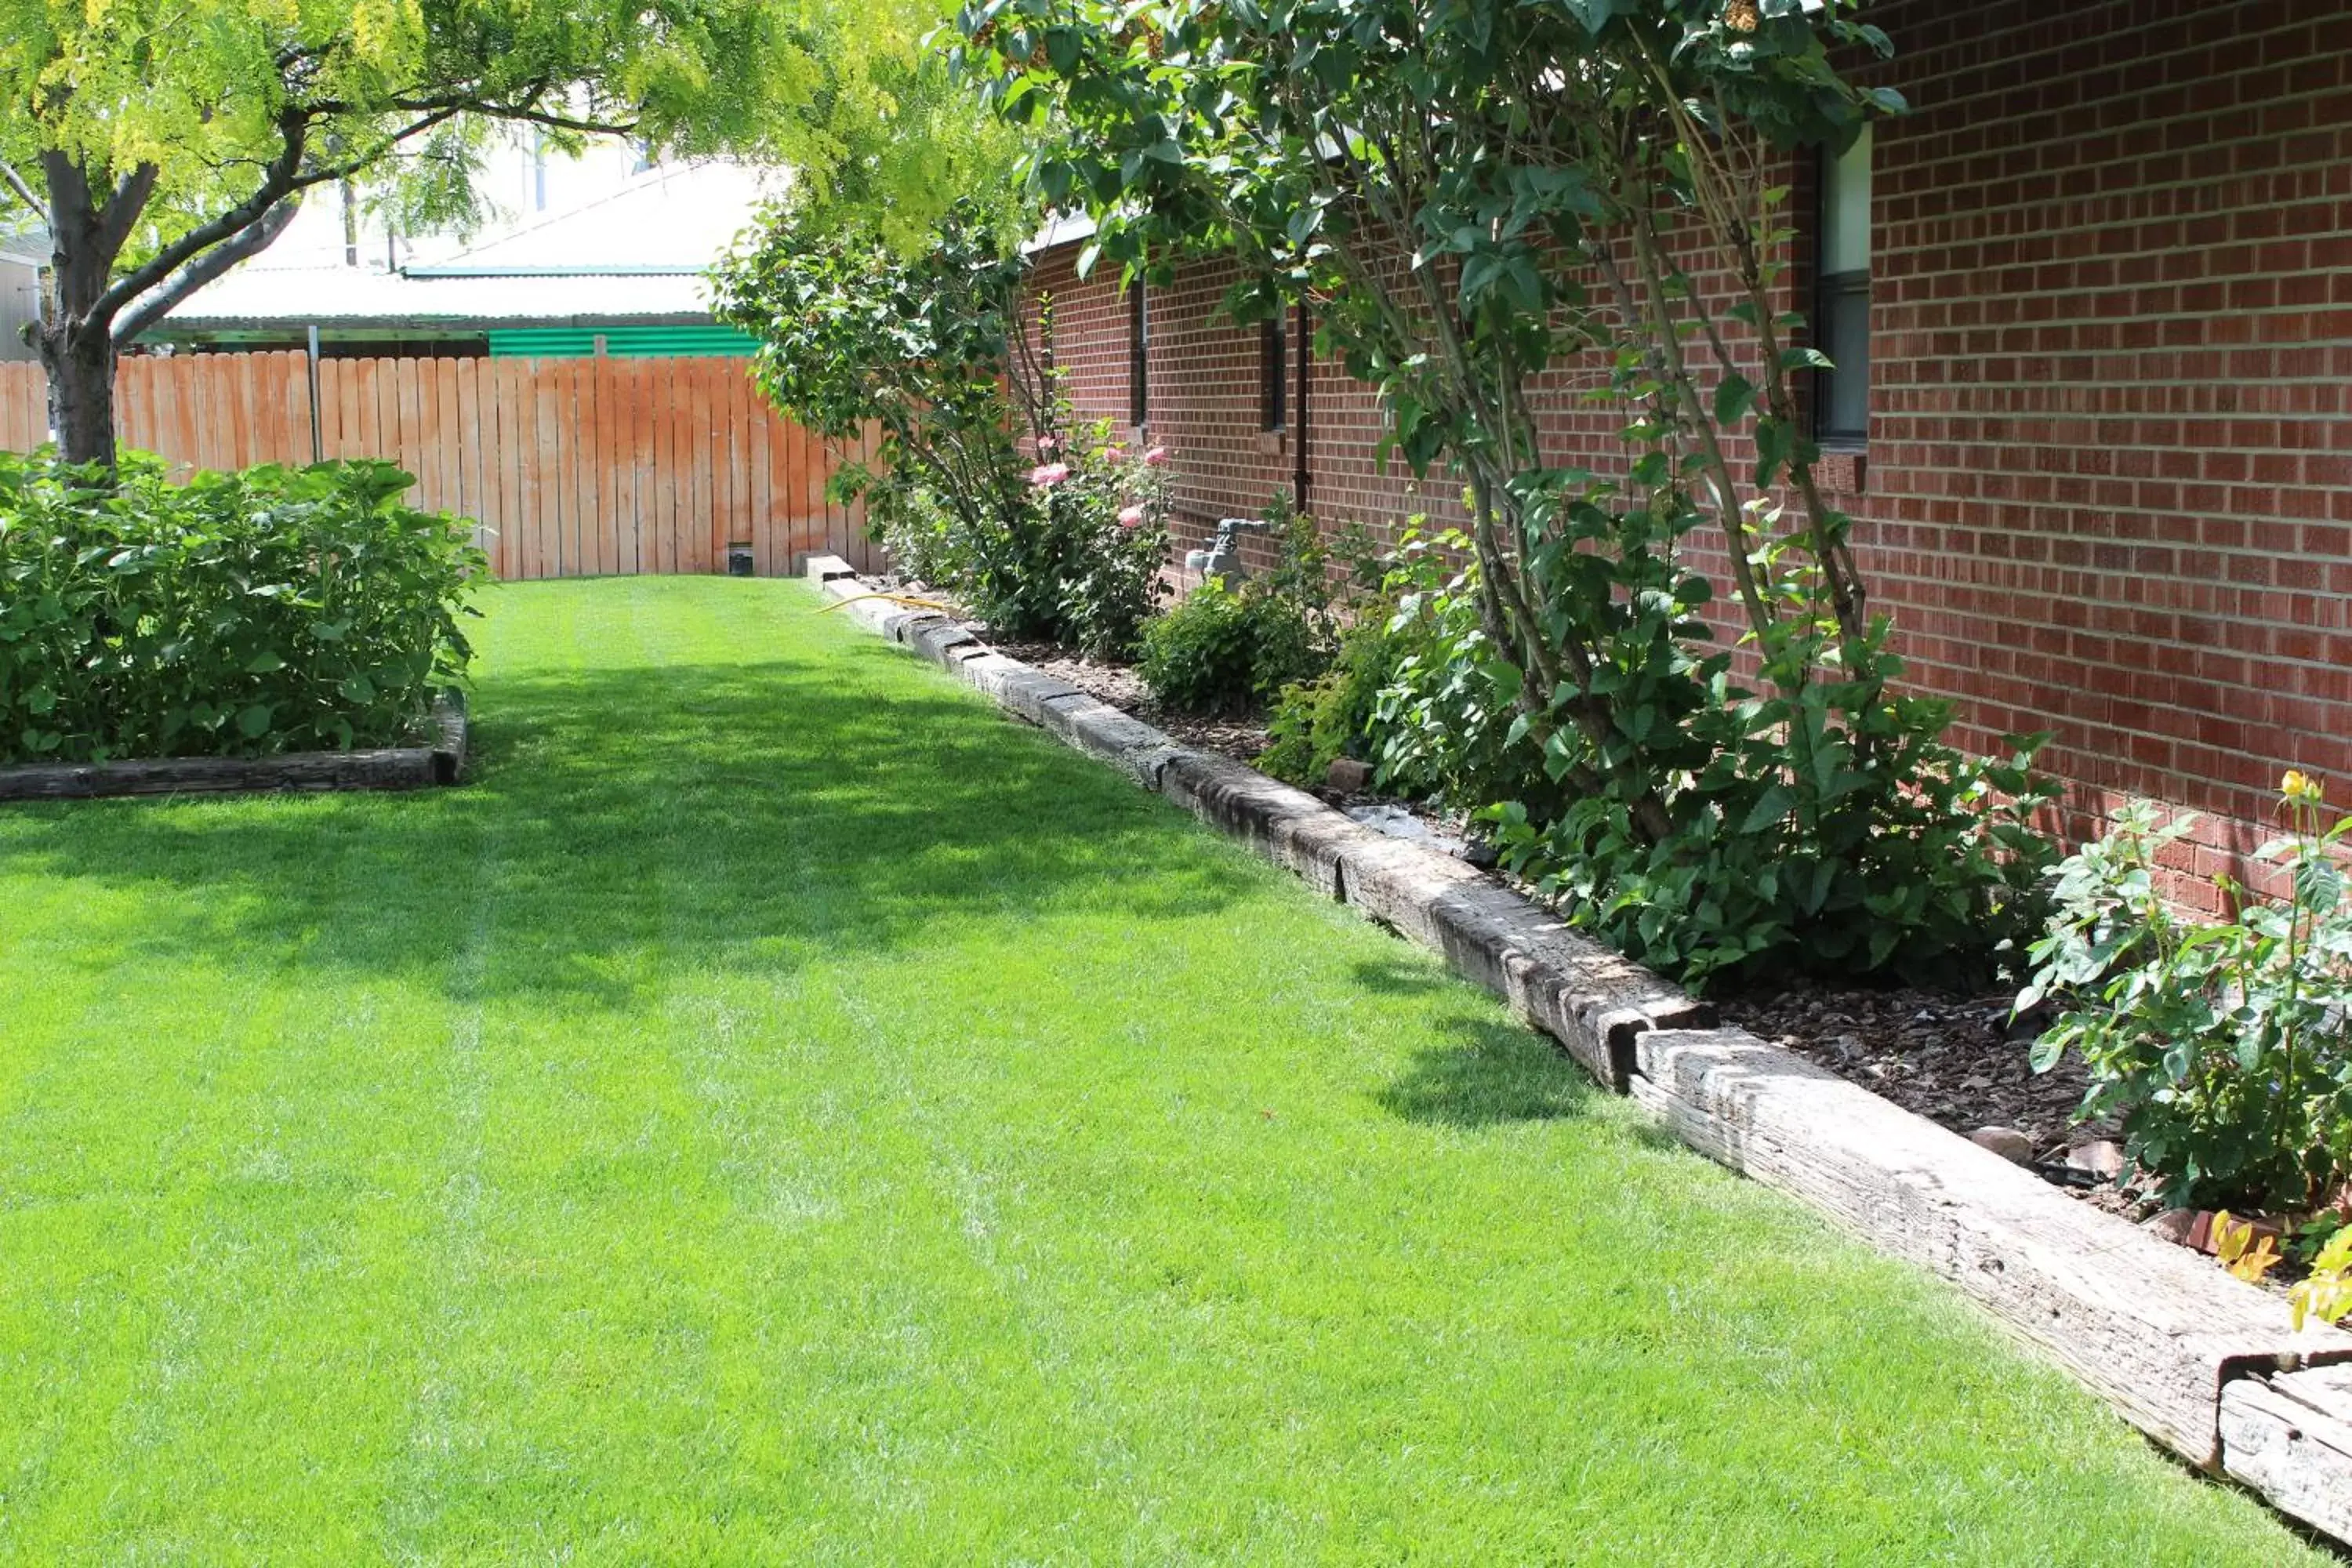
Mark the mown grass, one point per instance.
(785, 1112)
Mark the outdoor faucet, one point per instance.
(1222, 559)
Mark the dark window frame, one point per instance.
(1837, 298)
(1273, 375)
(1139, 356)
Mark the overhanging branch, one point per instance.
(283, 178)
(23, 190)
(144, 294)
(251, 241)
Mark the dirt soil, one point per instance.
(1241, 736)
(1957, 1060)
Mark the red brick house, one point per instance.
(2101, 457)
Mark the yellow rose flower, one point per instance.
(2299, 785)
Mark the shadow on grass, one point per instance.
(1396, 977)
(1491, 1073)
(623, 822)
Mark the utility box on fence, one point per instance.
(738, 560)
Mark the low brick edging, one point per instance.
(443, 762)
(2203, 1363)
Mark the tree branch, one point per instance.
(526, 115)
(123, 205)
(250, 241)
(23, 190)
(284, 176)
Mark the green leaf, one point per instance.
(1733, 398)
(1593, 14)
(253, 719)
(1769, 808)
(263, 662)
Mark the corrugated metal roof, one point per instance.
(637, 255)
(670, 219)
(346, 298)
(621, 342)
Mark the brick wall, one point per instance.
(2109, 485)
(2111, 466)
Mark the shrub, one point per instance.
(239, 614)
(1888, 852)
(1064, 544)
(1222, 650)
(1444, 727)
(1563, 174)
(1094, 543)
(1315, 723)
(1226, 649)
(2224, 1050)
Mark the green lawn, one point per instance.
(785, 1112)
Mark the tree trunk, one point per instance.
(81, 399)
(76, 336)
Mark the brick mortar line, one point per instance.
(1966, 52)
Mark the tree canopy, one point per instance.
(163, 141)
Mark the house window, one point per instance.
(1139, 356)
(1841, 296)
(1273, 375)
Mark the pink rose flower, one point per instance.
(1132, 517)
(1045, 445)
(1045, 475)
(1157, 456)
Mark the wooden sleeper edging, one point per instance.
(2155, 1329)
(2201, 1362)
(2289, 1437)
(382, 767)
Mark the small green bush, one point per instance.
(2225, 1050)
(1222, 650)
(1317, 721)
(1443, 727)
(1228, 650)
(239, 614)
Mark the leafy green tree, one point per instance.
(981, 484)
(1473, 193)
(927, 347)
(161, 143)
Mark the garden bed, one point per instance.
(1241, 737)
(438, 758)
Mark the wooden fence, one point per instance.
(573, 466)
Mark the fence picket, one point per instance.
(569, 466)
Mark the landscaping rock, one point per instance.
(1287, 826)
(1015, 684)
(940, 642)
(2103, 1157)
(2175, 1226)
(1131, 745)
(2006, 1142)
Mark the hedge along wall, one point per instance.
(2109, 485)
